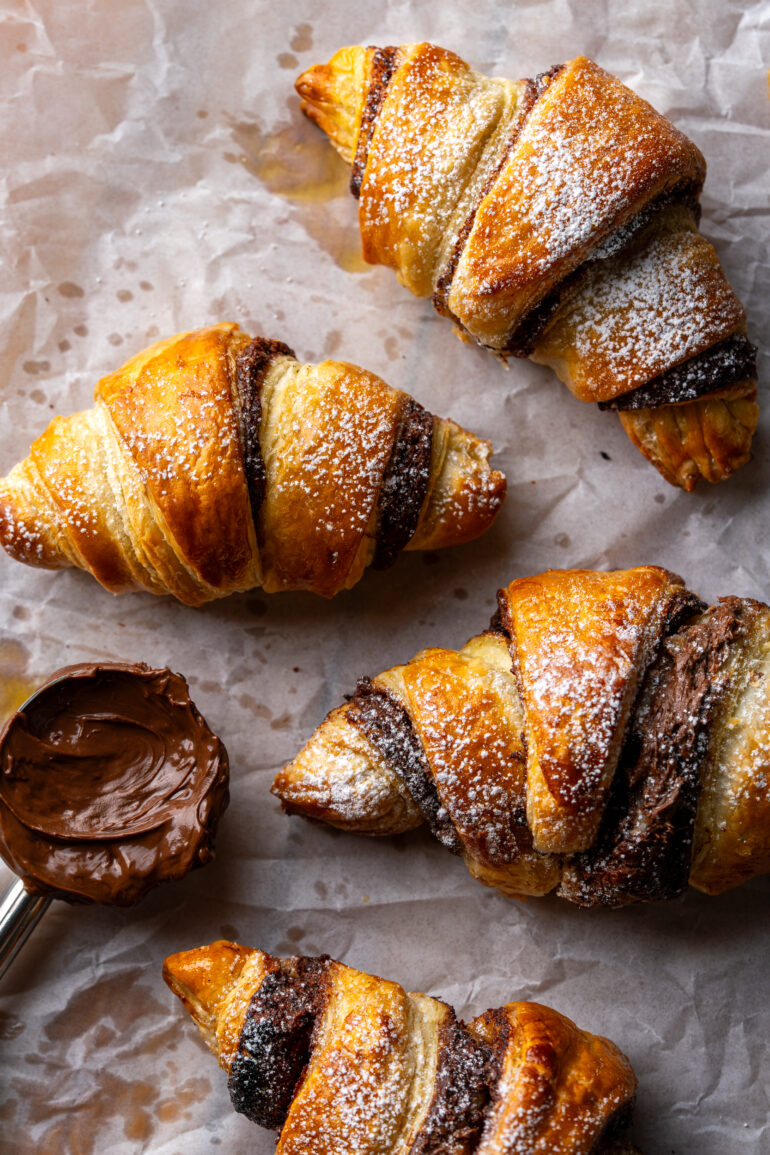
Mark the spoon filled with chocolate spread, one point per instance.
(110, 783)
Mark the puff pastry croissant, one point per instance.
(343, 1063)
(608, 736)
(214, 462)
(555, 218)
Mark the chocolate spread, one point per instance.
(456, 1115)
(724, 364)
(389, 728)
(110, 782)
(384, 64)
(275, 1042)
(405, 484)
(251, 368)
(644, 846)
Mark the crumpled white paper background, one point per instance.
(158, 176)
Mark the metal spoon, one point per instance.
(20, 912)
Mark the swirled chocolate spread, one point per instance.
(110, 782)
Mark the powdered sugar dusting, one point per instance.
(637, 315)
(579, 638)
(390, 1073)
(590, 155)
(355, 1094)
(326, 440)
(467, 723)
(428, 143)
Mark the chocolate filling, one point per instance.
(389, 728)
(384, 64)
(611, 1139)
(405, 484)
(496, 1042)
(719, 367)
(251, 368)
(275, 1043)
(682, 608)
(497, 622)
(643, 849)
(456, 1114)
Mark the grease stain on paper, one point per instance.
(70, 289)
(10, 1026)
(302, 38)
(111, 1000)
(15, 683)
(35, 367)
(135, 1103)
(295, 161)
(116, 1012)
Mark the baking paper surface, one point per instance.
(158, 176)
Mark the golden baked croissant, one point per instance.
(214, 462)
(608, 735)
(343, 1063)
(555, 218)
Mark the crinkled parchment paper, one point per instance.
(156, 176)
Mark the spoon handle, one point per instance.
(20, 913)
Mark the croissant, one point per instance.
(608, 736)
(343, 1063)
(213, 462)
(555, 218)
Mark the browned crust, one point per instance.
(251, 367)
(567, 780)
(520, 1072)
(555, 1087)
(389, 728)
(384, 64)
(276, 1039)
(445, 278)
(173, 433)
(405, 484)
(708, 438)
(530, 328)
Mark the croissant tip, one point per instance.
(199, 977)
(303, 84)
